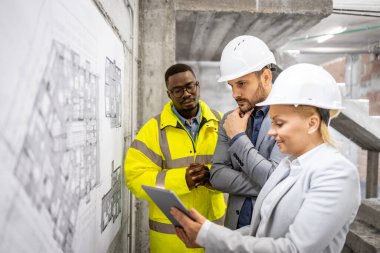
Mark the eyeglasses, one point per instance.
(178, 91)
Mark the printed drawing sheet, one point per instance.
(60, 127)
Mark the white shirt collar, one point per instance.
(306, 159)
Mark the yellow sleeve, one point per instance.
(144, 160)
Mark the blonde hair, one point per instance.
(308, 111)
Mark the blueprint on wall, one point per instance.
(60, 129)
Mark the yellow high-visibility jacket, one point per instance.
(159, 156)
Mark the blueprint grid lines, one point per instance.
(111, 201)
(58, 163)
(112, 93)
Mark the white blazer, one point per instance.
(311, 214)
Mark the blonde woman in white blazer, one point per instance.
(312, 197)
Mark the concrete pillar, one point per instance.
(372, 174)
(157, 53)
(352, 76)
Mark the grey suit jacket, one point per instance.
(311, 214)
(242, 169)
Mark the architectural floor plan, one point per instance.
(58, 164)
(112, 93)
(61, 133)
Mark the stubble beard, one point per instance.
(247, 108)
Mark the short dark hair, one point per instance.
(177, 68)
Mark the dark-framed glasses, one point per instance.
(178, 91)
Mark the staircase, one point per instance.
(355, 123)
(364, 234)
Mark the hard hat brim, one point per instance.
(270, 102)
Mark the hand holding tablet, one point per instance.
(165, 199)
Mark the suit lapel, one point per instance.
(279, 174)
(283, 191)
(248, 131)
(265, 126)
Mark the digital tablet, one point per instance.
(166, 199)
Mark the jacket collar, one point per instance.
(168, 118)
(263, 132)
(284, 168)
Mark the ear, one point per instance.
(266, 77)
(314, 122)
(168, 93)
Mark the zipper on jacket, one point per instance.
(201, 124)
(180, 126)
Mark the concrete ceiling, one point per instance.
(202, 35)
(351, 28)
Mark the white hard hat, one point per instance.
(305, 84)
(243, 55)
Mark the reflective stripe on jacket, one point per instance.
(159, 156)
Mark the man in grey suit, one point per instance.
(246, 64)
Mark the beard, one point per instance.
(259, 96)
(246, 107)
